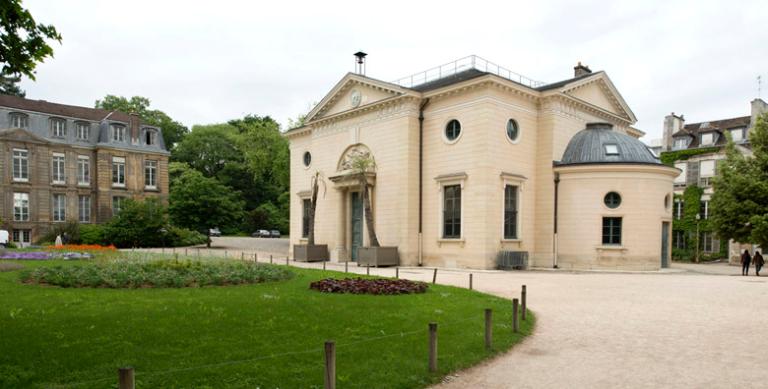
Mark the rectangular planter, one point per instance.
(310, 253)
(378, 256)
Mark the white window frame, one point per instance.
(449, 180)
(119, 164)
(682, 177)
(59, 207)
(84, 208)
(22, 237)
(21, 201)
(58, 127)
(707, 168)
(518, 181)
(705, 204)
(59, 169)
(678, 209)
(152, 134)
(82, 130)
(118, 132)
(22, 157)
(611, 149)
(117, 204)
(83, 170)
(150, 170)
(19, 120)
(680, 143)
(707, 138)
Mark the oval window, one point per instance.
(612, 200)
(307, 158)
(452, 130)
(513, 131)
(666, 202)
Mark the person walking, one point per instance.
(759, 262)
(745, 260)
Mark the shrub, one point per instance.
(138, 224)
(156, 274)
(70, 228)
(91, 234)
(368, 286)
(177, 236)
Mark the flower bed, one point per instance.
(82, 247)
(155, 274)
(368, 286)
(43, 255)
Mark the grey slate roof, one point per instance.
(588, 147)
(474, 73)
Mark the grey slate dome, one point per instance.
(600, 144)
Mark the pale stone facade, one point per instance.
(484, 163)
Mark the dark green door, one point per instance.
(356, 221)
(665, 244)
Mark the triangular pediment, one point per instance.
(599, 91)
(21, 135)
(352, 92)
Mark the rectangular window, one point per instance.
(59, 207)
(704, 210)
(707, 242)
(708, 138)
(611, 230)
(150, 174)
(150, 137)
(21, 165)
(83, 170)
(737, 134)
(19, 120)
(118, 133)
(21, 207)
(510, 212)
(84, 209)
(58, 128)
(611, 149)
(680, 143)
(680, 179)
(117, 204)
(22, 237)
(118, 171)
(57, 169)
(306, 205)
(452, 212)
(83, 131)
(707, 168)
(678, 240)
(678, 211)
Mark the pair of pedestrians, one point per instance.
(746, 259)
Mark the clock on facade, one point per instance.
(355, 98)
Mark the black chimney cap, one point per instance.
(360, 54)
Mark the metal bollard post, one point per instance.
(324, 265)
(346, 266)
(270, 258)
(470, 281)
(523, 304)
(432, 347)
(397, 272)
(515, 321)
(434, 276)
(330, 365)
(488, 328)
(367, 270)
(125, 378)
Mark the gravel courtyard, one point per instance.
(695, 326)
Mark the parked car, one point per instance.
(274, 234)
(3, 238)
(214, 231)
(261, 234)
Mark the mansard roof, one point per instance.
(56, 109)
(588, 146)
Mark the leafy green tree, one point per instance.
(173, 131)
(138, 224)
(210, 148)
(740, 202)
(22, 45)
(199, 202)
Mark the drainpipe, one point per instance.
(554, 237)
(421, 172)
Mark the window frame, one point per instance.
(677, 209)
(23, 165)
(680, 143)
(58, 207)
(82, 130)
(605, 200)
(514, 218)
(116, 129)
(118, 173)
(704, 210)
(456, 202)
(446, 138)
(58, 168)
(611, 236)
(22, 118)
(516, 140)
(58, 131)
(117, 204)
(306, 205)
(150, 174)
(21, 201)
(707, 134)
(150, 137)
(83, 175)
(613, 151)
(84, 212)
(304, 156)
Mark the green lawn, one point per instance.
(266, 335)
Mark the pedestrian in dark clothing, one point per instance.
(759, 262)
(745, 260)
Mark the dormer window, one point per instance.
(680, 143)
(150, 137)
(737, 134)
(83, 130)
(58, 127)
(708, 138)
(18, 120)
(611, 149)
(118, 133)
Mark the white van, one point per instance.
(3, 238)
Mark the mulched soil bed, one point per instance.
(368, 286)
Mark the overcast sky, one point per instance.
(211, 61)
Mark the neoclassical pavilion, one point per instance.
(477, 163)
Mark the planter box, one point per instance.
(310, 253)
(378, 256)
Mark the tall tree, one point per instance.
(22, 45)
(740, 201)
(173, 131)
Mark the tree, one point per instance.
(209, 148)
(22, 43)
(173, 131)
(138, 224)
(9, 86)
(315, 185)
(199, 203)
(363, 164)
(740, 201)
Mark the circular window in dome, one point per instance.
(612, 200)
(513, 131)
(307, 158)
(452, 130)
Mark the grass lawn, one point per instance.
(256, 336)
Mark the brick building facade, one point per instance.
(63, 163)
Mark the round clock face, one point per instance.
(355, 98)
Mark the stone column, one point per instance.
(339, 252)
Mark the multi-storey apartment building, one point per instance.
(66, 163)
(703, 144)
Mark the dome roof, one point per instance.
(600, 144)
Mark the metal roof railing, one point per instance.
(463, 64)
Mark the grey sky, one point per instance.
(206, 62)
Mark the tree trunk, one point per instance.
(368, 212)
(312, 208)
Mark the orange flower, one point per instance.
(82, 247)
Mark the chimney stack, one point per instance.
(580, 70)
(360, 63)
(759, 107)
(672, 124)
